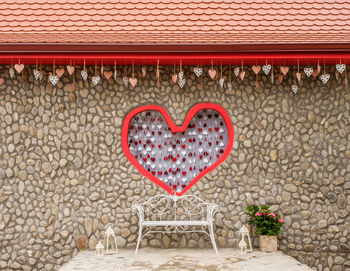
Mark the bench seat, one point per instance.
(175, 223)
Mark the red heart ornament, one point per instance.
(172, 159)
(108, 74)
(70, 69)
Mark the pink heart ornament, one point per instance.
(241, 75)
(108, 74)
(298, 75)
(174, 78)
(133, 81)
(284, 70)
(256, 69)
(212, 73)
(19, 67)
(59, 72)
(70, 69)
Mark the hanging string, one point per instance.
(133, 69)
(212, 65)
(84, 66)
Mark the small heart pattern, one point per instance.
(340, 68)
(266, 69)
(284, 70)
(241, 75)
(295, 89)
(325, 77)
(95, 79)
(84, 75)
(53, 79)
(198, 71)
(175, 157)
(181, 75)
(308, 71)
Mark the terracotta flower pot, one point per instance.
(268, 243)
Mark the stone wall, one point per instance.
(63, 173)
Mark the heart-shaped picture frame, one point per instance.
(156, 146)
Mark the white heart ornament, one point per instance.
(95, 79)
(12, 73)
(182, 82)
(340, 68)
(198, 71)
(37, 74)
(236, 71)
(126, 81)
(143, 70)
(180, 75)
(308, 71)
(84, 75)
(53, 79)
(325, 77)
(266, 69)
(295, 89)
(221, 82)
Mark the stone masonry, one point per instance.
(64, 176)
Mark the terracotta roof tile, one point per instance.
(174, 21)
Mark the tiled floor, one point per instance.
(184, 259)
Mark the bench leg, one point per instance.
(211, 232)
(139, 239)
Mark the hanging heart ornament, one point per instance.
(295, 89)
(198, 71)
(37, 74)
(59, 72)
(221, 82)
(19, 67)
(126, 81)
(108, 74)
(144, 71)
(53, 79)
(11, 73)
(308, 71)
(266, 69)
(176, 157)
(325, 77)
(236, 71)
(212, 73)
(84, 75)
(70, 69)
(95, 79)
(133, 81)
(182, 82)
(174, 78)
(181, 75)
(340, 68)
(256, 69)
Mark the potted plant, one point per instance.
(268, 224)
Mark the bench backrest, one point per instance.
(164, 207)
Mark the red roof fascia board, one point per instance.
(288, 58)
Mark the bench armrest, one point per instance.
(212, 210)
(139, 211)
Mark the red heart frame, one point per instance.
(176, 129)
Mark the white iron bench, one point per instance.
(175, 214)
